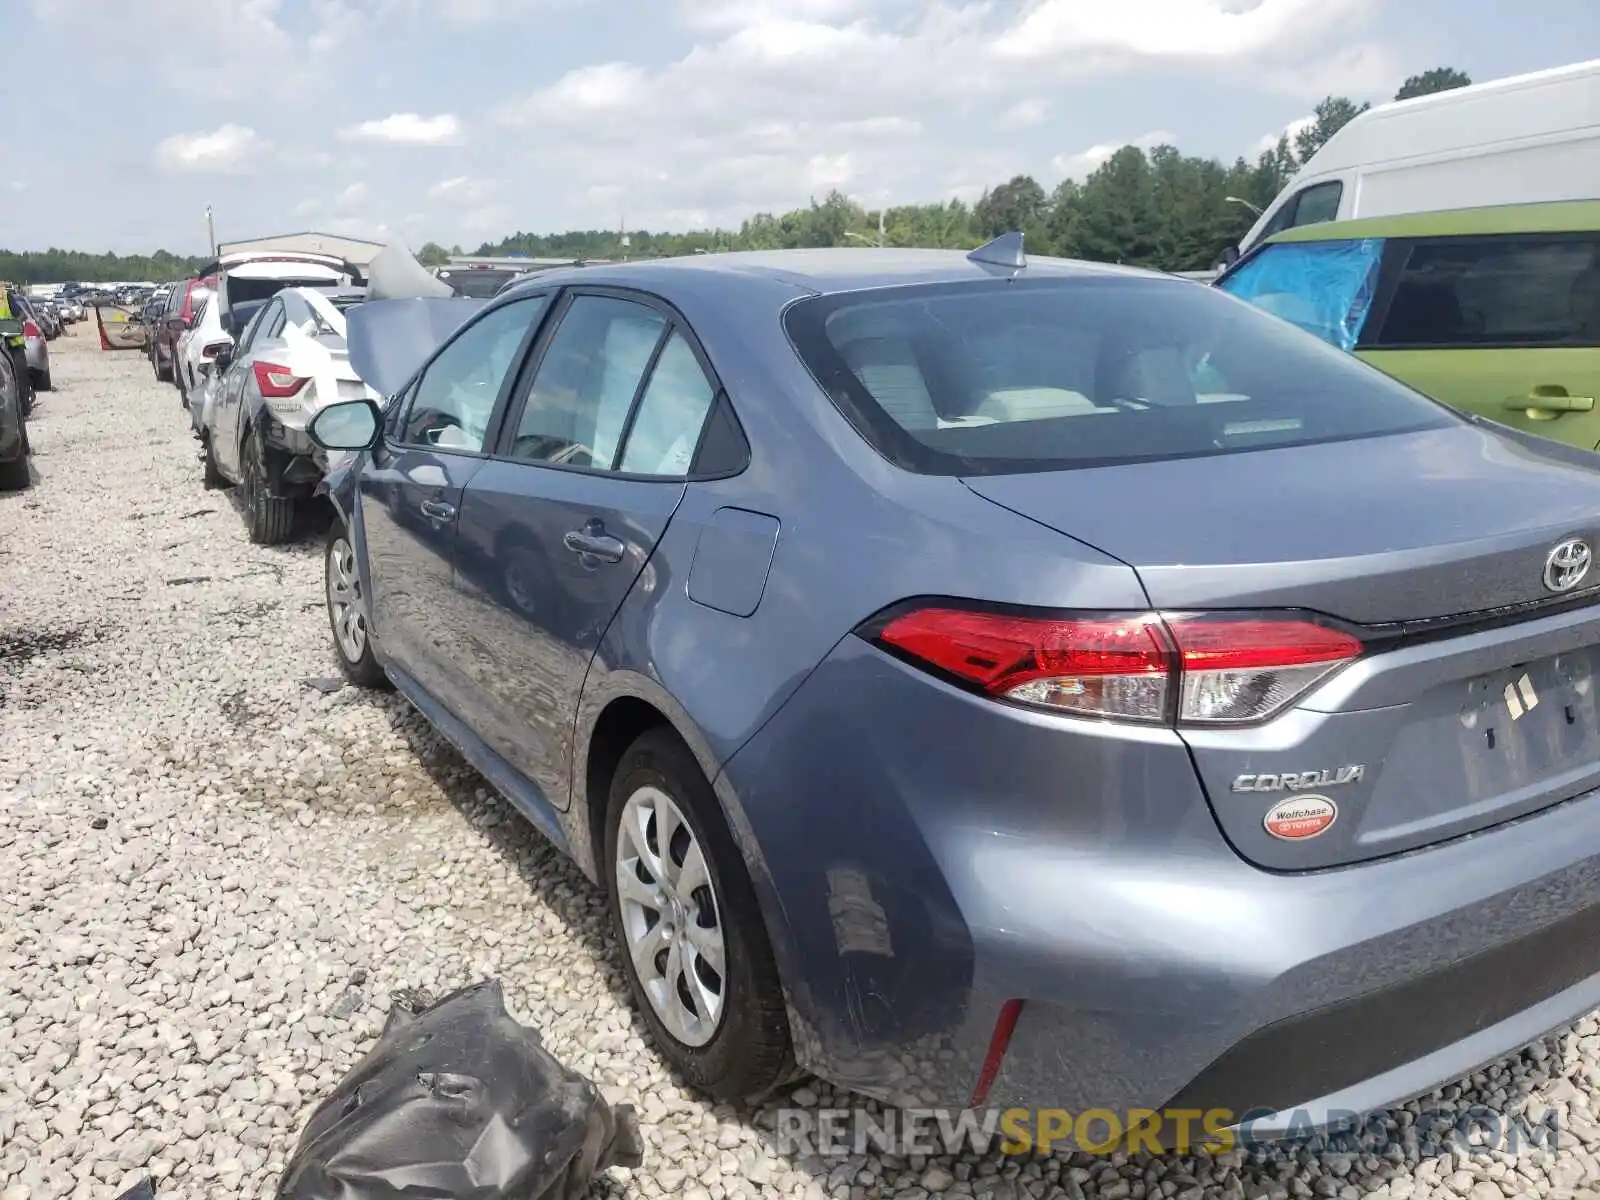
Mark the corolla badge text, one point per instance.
(1300, 781)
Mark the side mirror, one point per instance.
(222, 358)
(348, 425)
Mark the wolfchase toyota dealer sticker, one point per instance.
(1300, 817)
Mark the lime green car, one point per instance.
(1492, 310)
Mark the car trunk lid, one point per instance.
(1475, 701)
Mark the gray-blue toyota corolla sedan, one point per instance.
(997, 682)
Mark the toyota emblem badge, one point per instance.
(1567, 565)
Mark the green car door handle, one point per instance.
(1546, 403)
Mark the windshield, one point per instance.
(1325, 288)
(989, 378)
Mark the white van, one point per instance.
(1524, 139)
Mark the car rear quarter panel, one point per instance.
(854, 536)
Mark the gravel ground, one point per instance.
(213, 877)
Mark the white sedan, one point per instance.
(251, 417)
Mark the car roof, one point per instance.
(1574, 216)
(815, 272)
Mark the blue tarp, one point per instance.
(1323, 287)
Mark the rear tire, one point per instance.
(269, 519)
(24, 376)
(14, 476)
(42, 381)
(208, 464)
(744, 1051)
(163, 370)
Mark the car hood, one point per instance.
(390, 339)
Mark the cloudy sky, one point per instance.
(461, 120)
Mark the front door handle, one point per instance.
(594, 542)
(438, 510)
(1548, 401)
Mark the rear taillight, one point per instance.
(1192, 669)
(30, 328)
(277, 382)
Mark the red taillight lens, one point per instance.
(31, 329)
(1196, 669)
(275, 381)
(1097, 666)
(1245, 668)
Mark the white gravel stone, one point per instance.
(215, 877)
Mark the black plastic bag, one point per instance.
(459, 1100)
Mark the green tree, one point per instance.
(1330, 116)
(1017, 204)
(1440, 79)
(433, 255)
(1114, 217)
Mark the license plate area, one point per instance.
(1481, 750)
(1534, 720)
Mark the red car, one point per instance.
(182, 307)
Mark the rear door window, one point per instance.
(1325, 288)
(1057, 372)
(1495, 292)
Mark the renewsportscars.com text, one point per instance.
(841, 1132)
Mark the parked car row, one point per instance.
(719, 569)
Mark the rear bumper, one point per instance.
(926, 857)
(297, 463)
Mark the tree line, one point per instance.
(1154, 207)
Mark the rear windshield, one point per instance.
(1033, 375)
(477, 283)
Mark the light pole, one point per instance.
(880, 241)
(211, 231)
(1240, 200)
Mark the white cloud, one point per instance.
(1167, 29)
(354, 196)
(408, 128)
(1269, 140)
(1086, 162)
(1025, 114)
(463, 189)
(228, 149)
(722, 16)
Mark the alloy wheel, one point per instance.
(344, 601)
(670, 917)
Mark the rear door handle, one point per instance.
(1550, 401)
(438, 510)
(593, 541)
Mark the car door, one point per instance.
(556, 529)
(1506, 326)
(230, 389)
(410, 490)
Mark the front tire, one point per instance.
(695, 949)
(347, 612)
(269, 519)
